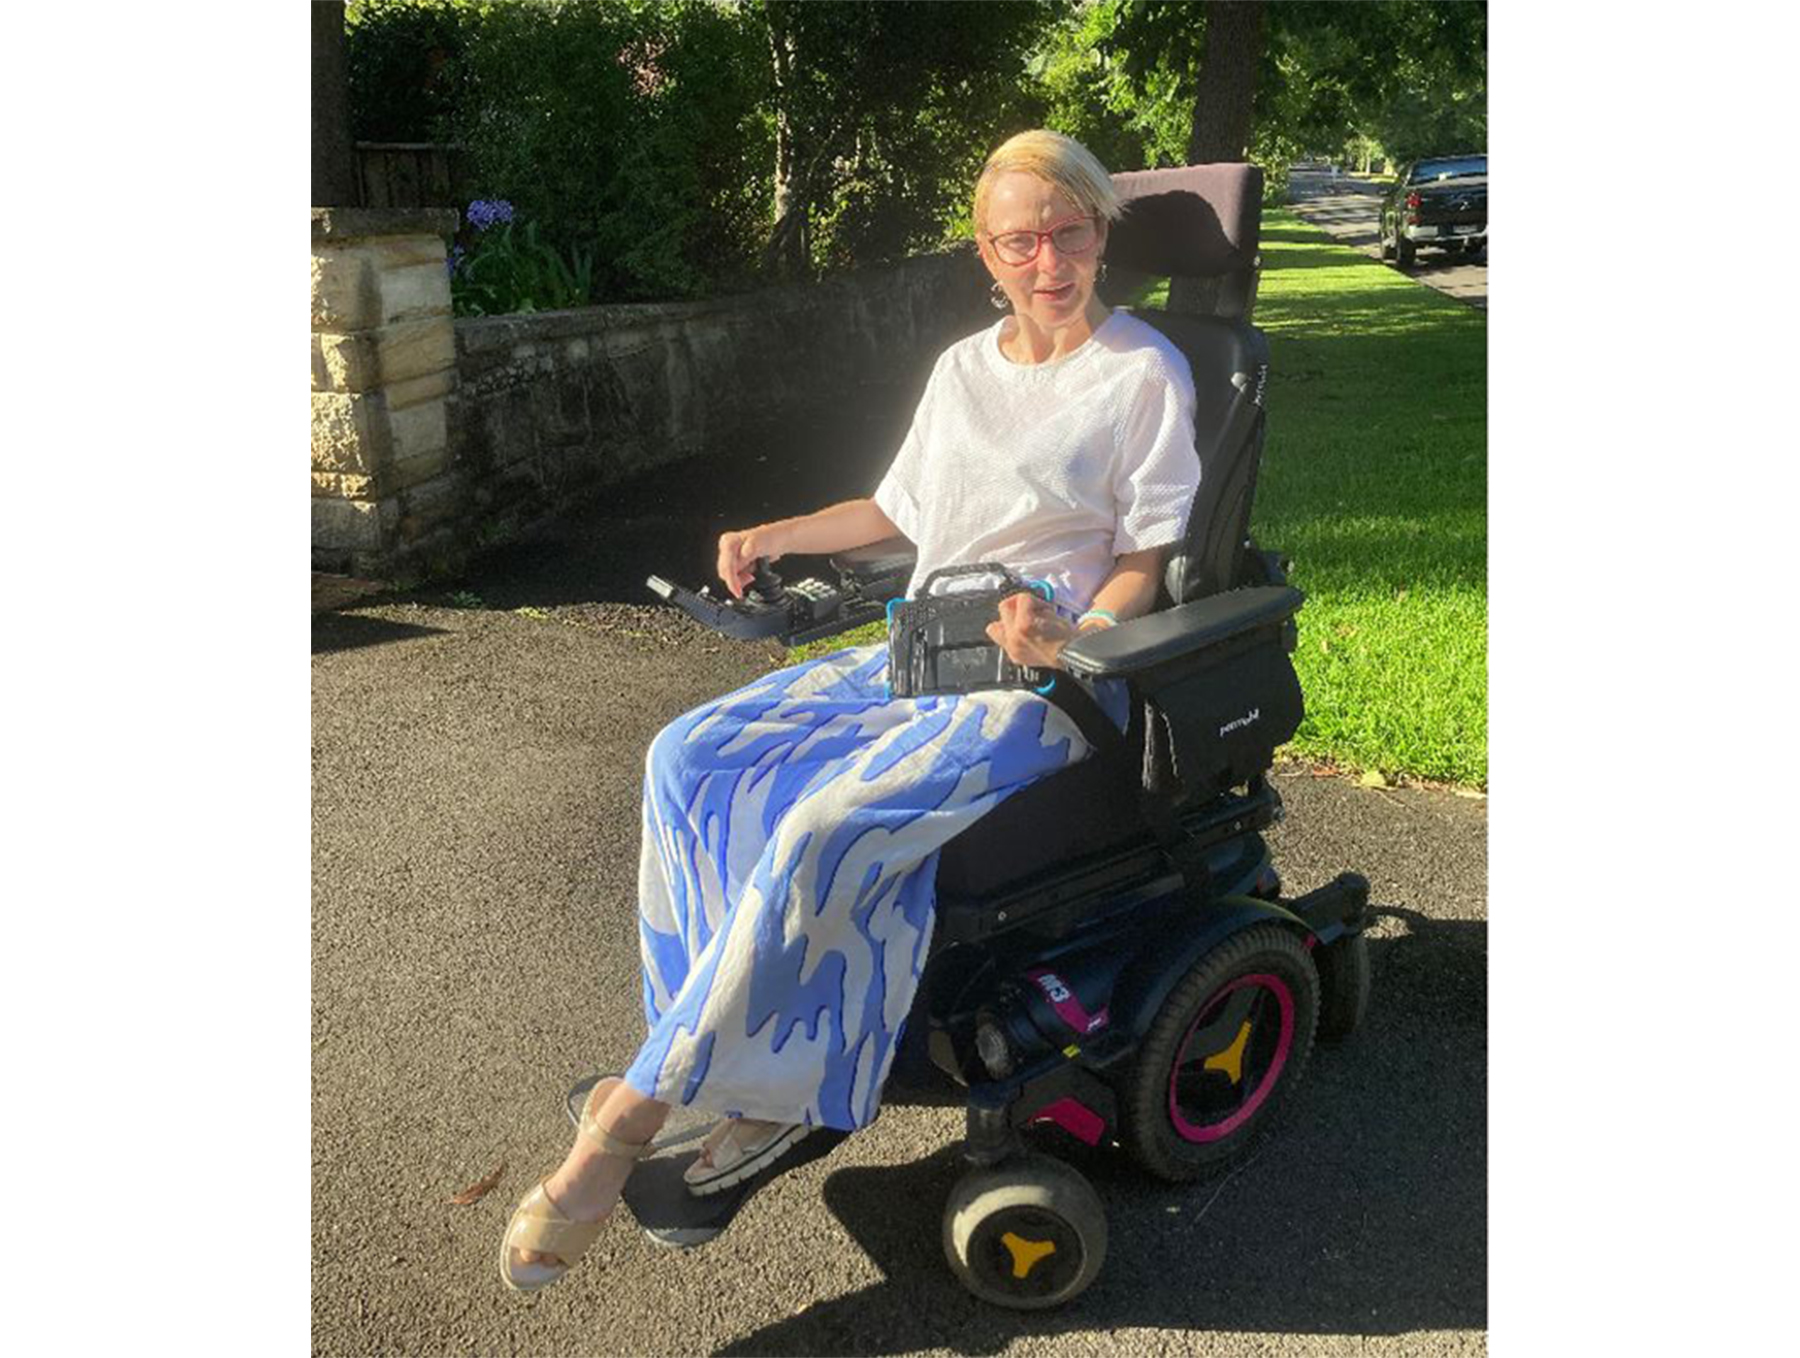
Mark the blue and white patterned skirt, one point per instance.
(787, 883)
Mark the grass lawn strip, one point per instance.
(1374, 481)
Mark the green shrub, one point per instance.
(645, 132)
(508, 269)
(629, 133)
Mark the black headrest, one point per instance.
(1196, 221)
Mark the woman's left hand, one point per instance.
(1030, 632)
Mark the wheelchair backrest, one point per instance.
(1203, 222)
(1230, 362)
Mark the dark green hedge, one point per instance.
(635, 132)
(642, 135)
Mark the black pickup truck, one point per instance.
(1440, 203)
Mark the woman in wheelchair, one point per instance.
(791, 829)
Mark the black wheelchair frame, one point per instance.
(1147, 984)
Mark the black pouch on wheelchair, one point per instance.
(938, 643)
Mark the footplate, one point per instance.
(658, 1196)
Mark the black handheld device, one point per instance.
(938, 643)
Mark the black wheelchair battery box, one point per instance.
(938, 643)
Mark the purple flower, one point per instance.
(486, 212)
(455, 258)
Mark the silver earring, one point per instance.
(997, 295)
(1100, 277)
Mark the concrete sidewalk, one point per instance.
(476, 776)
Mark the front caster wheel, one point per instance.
(1027, 1234)
(1344, 985)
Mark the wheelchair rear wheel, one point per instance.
(1223, 1053)
(1029, 1233)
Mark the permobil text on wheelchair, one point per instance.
(1112, 952)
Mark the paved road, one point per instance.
(1349, 208)
(475, 846)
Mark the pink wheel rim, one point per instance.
(1204, 1133)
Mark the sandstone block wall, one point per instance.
(550, 406)
(383, 372)
(428, 432)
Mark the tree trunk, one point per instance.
(333, 156)
(786, 251)
(1226, 102)
(1224, 109)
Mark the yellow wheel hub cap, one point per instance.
(1026, 1253)
(1231, 1060)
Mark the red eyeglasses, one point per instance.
(1076, 236)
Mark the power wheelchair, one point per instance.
(1113, 953)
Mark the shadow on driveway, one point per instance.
(668, 521)
(1365, 1213)
(347, 631)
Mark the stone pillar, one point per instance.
(383, 373)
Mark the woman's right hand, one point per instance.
(739, 550)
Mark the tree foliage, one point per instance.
(892, 109)
(695, 146)
(1088, 92)
(1407, 75)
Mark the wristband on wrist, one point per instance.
(1110, 617)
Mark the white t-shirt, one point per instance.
(1054, 469)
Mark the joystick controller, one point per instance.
(765, 585)
(806, 610)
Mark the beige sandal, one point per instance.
(538, 1225)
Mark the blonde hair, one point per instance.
(1057, 159)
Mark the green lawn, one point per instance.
(1374, 481)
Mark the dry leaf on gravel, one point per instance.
(475, 1192)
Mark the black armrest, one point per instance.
(890, 556)
(1157, 638)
